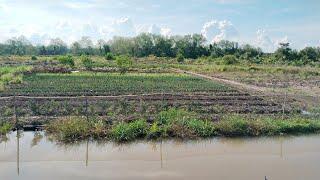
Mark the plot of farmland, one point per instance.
(110, 84)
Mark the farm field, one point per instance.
(41, 92)
(78, 84)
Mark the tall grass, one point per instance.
(180, 124)
(11, 75)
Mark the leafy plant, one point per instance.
(66, 60)
(87, 62)
(123, 63)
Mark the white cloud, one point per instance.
(215, 31)
(123, 27)
(264, 41)
(154, 29)
(166, 32)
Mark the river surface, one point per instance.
(33, 156)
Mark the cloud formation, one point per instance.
(265, 42)
(215, 31)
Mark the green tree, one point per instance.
(309, 54)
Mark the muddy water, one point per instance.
(33, 156)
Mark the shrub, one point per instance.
(241, 126)
(229, 59)
(201, 128)
(34, 58)
(5, 128)
(70, 129)
(87, 62)
(183, 124)
(66, 60)
(155, 131)
(109, 56)
(129, 131)
(123, 63)
(180, 58)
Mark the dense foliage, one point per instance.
(180, 47)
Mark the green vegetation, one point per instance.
(111, 84)
(5, 128)
(123, 63)
(240, 126)
(87, 62)
(109, 56)
(188, 46)
(180, 58)
(34, 58)
(66, 60)
(181, 124)
(228, 60)
(11, 75)
(129, 131)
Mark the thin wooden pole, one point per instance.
(18, 152)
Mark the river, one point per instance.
(34, 156)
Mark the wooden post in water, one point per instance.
(18, 152)
(87, 153)
(161, 158)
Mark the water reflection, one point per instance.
(36, 155)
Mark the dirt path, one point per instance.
(235, 84)
(309, 98)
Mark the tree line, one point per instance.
(187, 46)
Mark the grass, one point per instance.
(176, 123)
(111, 84)
(129, 131)
(11, 75)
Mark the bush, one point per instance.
(70, 129)
(123, 63)
(180, 58)
(182, 124)
(155, 131)
(5, 128)
(129, 131)
(66, 60)
(34, 58)
(241, 126)
(109, 56)
(229, 59)
(87, 62)
(201, 128)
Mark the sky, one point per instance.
(263, 23)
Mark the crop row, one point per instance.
(110, 84)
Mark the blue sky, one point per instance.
(263, 23)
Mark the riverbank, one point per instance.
(181, 124)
